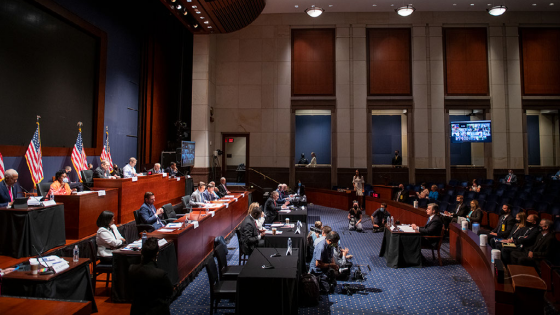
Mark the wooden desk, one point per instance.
(193, 245)
(81, 211)
(18, 306)
(330, 198)
(385, 192)
(131, 194)
(528, 288)
(402, 212)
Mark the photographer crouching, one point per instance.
(355, 217)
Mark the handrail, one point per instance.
(264, 176)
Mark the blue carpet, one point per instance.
(433, 289)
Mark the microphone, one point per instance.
(27, 191)
(269, 266)
(277, 253)
(50, 270)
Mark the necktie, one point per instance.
(429, 219)
(509, 178)
(10, 191)
(459, 206)
(275, 203)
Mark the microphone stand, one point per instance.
(50, 268)
(277, 253)
(269, 266)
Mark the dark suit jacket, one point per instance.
(270, 210)
(543, 246)
(403, 196)
(513, 178)
(508, 223)
(222, 189)
(101, 173)
(476, 216)
(5, 195)
(148, 216)
(249, 235)
(397, 160)
(171, 172)
(152, 289)
(432, 228)
(528, 236)
(300, 190)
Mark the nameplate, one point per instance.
(242, 195)
(178, 178)
(135, 179)
(60, 266)
(101, 193)
(235, 199)
(212, 213)
(164, 174)
(195, 223)
(227, 205)
(49, 203)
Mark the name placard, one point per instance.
(134, 179)
(101, 193)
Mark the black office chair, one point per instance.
(140, 225)
(243, 257)
(87, 178)
(219, 289)
(169, 213)
(100, 267)
(187, 208)
(43, 188)
(226, 272)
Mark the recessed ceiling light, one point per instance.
(206, 22)
(179, 7)
(392, 5)
(454, 3)
(202, 18)
(497, 10)
(330, 5)
(198, 12)
(194, 7)
(297, 6)
(472, 3)
(209, 26)
(552, 3)
(374, 5)
(534, 4)
(189, 0)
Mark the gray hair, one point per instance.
(548, 223)
(157, 165)
(435, 207)
(132, 159)
(273, 193)
(10, 173)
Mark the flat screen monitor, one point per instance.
(187, 153)
(471, 131)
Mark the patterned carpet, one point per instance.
(430, 290)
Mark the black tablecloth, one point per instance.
(120, 291)
(41, 227)
(294, 216)
(281, 241)
(73, 285)
(280, 283)
(401, 249)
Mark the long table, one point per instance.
(131, 192)
(82, 210)
(21, 229)
(194, 244)
(19, 305)
(330, 198)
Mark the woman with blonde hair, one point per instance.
(475, 214)
(260, 221)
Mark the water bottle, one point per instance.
(144, 238)
(392, 221)
(289, 242)
(76, 253)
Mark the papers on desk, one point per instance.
(229, 196)
(277, 225)
(34, 201)
(162, 242)
(134, 245)
(79, 193)
(166, 230)
(406, 229)
(174, 225)
(49, 203)
(285, 211)
(270, 232)
(57, 263)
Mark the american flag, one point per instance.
(1, 168)
(106, 153)
(34, 157)
(79, 158)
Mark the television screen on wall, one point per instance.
(471, 131)
(187, 153)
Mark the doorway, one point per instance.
(235, 158)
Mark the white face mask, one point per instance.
(65, 179)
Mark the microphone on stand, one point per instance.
(277, 253)
(269, 266)
(50, 268)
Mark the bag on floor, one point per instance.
(309, 290)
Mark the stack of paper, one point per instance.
(270, 232)
(406, 228)
(174, 225)
(277, 225)
(57, 263)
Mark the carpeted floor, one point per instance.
(430, 290)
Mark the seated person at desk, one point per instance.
(90, 166)
(509, 179)
(72, 185)
(424, 192)
(379, 218)
(197, 197)
(279, 190)
(251, 236)
(556, 176)
(157, 169)
(401, 195)
(300, 191)
(433, 193)
(271, 208)
(517, 231)
(59, 187)
(108, 237)
(323, 265)
(260, 220)
(129, 171)
(117, 172)
(222, 188)
(209, 194)
(172, 170)
(9, 188)
(460, 209)
(148, 211)
(325, 230)
(103, 171)
(542, 249)
(505, 225)
(355, 217)
(475, 213)
(433, 226)
(151, 286)
(286, 191)
(523, 237)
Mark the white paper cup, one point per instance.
(483, 239)
(465, 226)
(496, 254)
(34, 266)
(416, 204)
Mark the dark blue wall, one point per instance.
(313, 134)
(460, 153)
(124, 35)
(386, 137)
(533, 141)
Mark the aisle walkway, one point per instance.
(433, 289)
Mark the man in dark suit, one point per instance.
(151, 285)
(103, 171)
(148, 211)
(209, 194)
(172, 170)
(271, 207)
(401, 195)
(510, 178)
(460, 209)
(397, 160)
(251, 237)
(300, 190)
(542, 249)
(9, 188)
(223, 188)
(433, 226)
(505, 225)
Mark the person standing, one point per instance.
(396, 161)
(313, 162)
(358, 182)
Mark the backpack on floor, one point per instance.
(309, 290)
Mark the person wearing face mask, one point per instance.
(59, 187)
(505, 225)
(424, 192)
(475, 213)
(509, 179)
(300, 189)
(542, 249)
(460, 209)
(521, 238)
(396, 161)
(355, 217)
(323, 265)
(518, 228)
(401, 195)
(379, 218)
(303, 160)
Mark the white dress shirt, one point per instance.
(129, 171)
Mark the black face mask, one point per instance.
(355, 207)
(517, 221)
(529, 224)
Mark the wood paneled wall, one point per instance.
(466, 61)
(313, 62)
(389, 61)
(540, 50)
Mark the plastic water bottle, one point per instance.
(76, 253)
(144, 238)
(392, 221)
(289, 242)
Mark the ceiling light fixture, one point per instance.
(314, 11)
(179, 7)
(497, 10)
(406, 10)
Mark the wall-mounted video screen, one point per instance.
(187, 153)
(471, 131)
